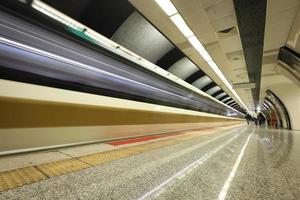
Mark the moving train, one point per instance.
(57, 89)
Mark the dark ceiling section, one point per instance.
(234, 104)
(223, 97)
(240, 109)
(236, 107)
(231, 104)
(227, 100)
(68, 7)
(192, 78)
(170, 58)
(217, 93)
(207, 87)
(251, 16)
(103, 16)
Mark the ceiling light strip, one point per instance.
(168, 7)
(181, 25)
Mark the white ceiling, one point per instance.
(138, 35)
(183, 68)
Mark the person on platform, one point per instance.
(248, 118)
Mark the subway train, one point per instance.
(57, 91)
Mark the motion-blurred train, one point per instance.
(58, 90)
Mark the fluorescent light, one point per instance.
(167, 7)
(213, 65)
(217, 70)
(199, 47)
(196, 43)
(205, 55)
(181, 25)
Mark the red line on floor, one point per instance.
(151, 137)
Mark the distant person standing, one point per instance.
(256, 121)
(248, 118)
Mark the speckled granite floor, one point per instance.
(242, 163)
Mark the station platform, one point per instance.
(230, 162)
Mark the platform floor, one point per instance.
(241, 162)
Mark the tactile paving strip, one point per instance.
(122, 153)
(141, 148)
(62, 167)
(98, 158)
(156, 145)
(18, 177)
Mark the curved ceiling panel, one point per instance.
(139, 36)
(230, 102)
(202, 82)
(221, 95)
(233, 104)
(236, 106)
(209, 86)
(183, 68)
(217, 93)
(213, 90)
(170, 58)
(193, 77)
(225, 99)
(222, 98)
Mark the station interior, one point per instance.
(150, 99)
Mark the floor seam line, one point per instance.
(36, 167)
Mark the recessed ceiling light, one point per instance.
(196, 43)
(167, 7)
(181, 25)
(205, 55)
